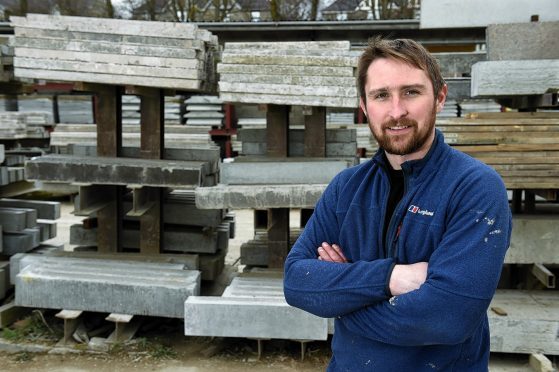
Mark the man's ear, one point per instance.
(363, 106)
(441, 97)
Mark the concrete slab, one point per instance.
(46, 210)
(278, 99)
(333, 135)
(480, 13)
(106, 289)
(261, 197)
(286, 70)
(106, 26)
(534, 240)
(250, 317)
(277, 172)
(287, 46)
(280, 59)
(511, 78)
(114, 171)
(519, 41)
(13, 220)
(13, 243)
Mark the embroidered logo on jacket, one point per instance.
(417, 210)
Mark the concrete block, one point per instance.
(305, 80)
(277, 172)
(15, 220)
(143, 292)
(455, 65)
(510, 78)
(261, 197)
(480, 13)
(13, 243)
(114, 171)
(534, 240)
(50, 229)
(250, 317)
(519, 41)
(211, 265)
(2, 153)
(185, 213)
(458, 89)
(4, 278)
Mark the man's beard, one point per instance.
(405, 144)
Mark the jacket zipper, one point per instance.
(392, 236)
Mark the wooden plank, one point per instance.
(108, 112)
(278, 236)
(152, 109)
(277, 131)
(315, 133)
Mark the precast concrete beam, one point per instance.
(114, 171)
(142, 292)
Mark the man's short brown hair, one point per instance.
(405, 50)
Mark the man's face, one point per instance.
(401, 106)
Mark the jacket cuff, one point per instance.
(388, 276)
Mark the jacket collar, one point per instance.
(420, 167)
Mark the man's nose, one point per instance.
(397, 108)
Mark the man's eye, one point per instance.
(381, 96)
(412, 92)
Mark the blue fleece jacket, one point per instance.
(454, 214)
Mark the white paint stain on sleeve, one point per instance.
(495, 232)
(393, 300)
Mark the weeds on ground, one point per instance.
(155, 349)
(24, 356)
(32, 328)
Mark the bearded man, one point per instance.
(404, 251)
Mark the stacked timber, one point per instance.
(522, 147)
(6, 59)
(289, 73)
(204, 111)
(341, 142)
(26, 224)
(110, 51)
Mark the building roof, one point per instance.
(342, 6)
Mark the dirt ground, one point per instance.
(160, 344)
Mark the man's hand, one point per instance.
(406, 278)
(331, 253)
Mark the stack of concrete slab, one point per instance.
(204, 111)
(173, 110)
(110, 51)
(25, 225)
(341, 142)
(203, 234)
(11, 167)
(75, 109)
(339, 118)
(523, 59)
(314, 73)
(6, 59)
(130, 109)
(252, 306)
(114, 286)
(29, 124)
(451, 109)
